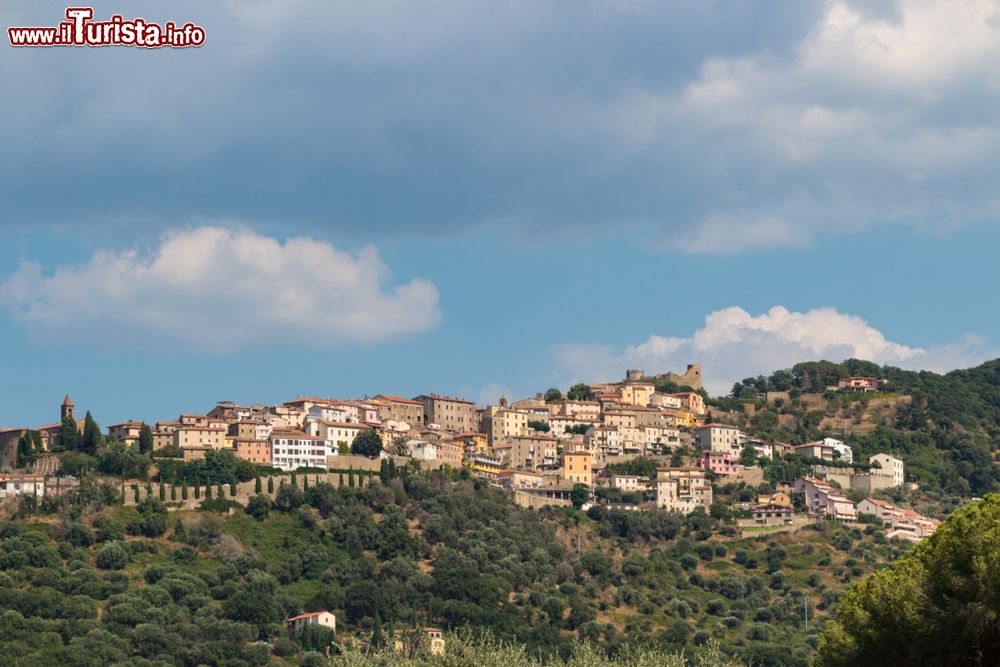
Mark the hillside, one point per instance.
(945, 427)
(427, 548)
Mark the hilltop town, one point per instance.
(548, 450)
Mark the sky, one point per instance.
(485, 199)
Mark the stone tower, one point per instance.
(67, 408)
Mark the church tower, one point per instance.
(67, 407)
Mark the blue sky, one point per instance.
(347, 198)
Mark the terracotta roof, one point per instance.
(398, 399)
(309, 615)
(438, 397)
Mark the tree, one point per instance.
(270, 484)
(748, 456)
(69, 434)
(92, 438)
(367, 443)
(937, 605)
(579, 494)
(232, 489)
(578, 392)
(553, 395)
(259, 506)
(378, 638)
(145, 439)
(163, 492)
(184, 491)
(538, 425)
(28, 446)
(257, 487)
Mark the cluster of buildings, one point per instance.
(539, 449)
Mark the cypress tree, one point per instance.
(135, 492)
(197, 491)
(305, 482)
(378, 639)
(149, 488)
(91, 435)
(270, 484)
(257, 487)
(340, 479)
(350, 478)
(219, 493)
(295, 482)
(145, 439)
(163, 493)
(232, 489)
(208, 492)
(69, 435)
(184, 491)
(173, 492)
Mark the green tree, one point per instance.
(748, 456)
(937, 605)
(163, 492)
(145, 439)
(184, 491)
(578, 392)
(92, 438)
(579, 495)
(367, 443)
(259, 506)
(270, 484)
(378, 637)
(69, 435)
(553, 395)
(232, 489)
(257, 486)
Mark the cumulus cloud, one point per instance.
(733, 344)
(757, 125)
(219, 290)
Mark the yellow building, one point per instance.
(577, 468)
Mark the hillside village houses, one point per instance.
(539, 450)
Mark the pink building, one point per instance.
(721, 463)
(824, 499)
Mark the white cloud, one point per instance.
(219, 290)
(733, 344)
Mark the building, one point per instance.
(400, 409)
(533, 452)
(638, 393)
(186, 437)
(452, 414)
(904, 523)
(451, 453)
(577, 468)
(823, 499)
(693, 402)
(321, 618)
(127, 432)
(720, 438)
(21, 485)
(486, 467)
(629, 483)
(888, 465)
(772, 515)
(721, 463)
(500, 424)
(339, 434)
(254, 451)
(408, 642)
(291, 450)
(682, 489)
(250, 429)
(762, 447)
(861, 384)
(827, 449)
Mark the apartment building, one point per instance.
(577, 468)
(721, 463)
(720, 438)
(400, 409)
(682, 489)
(889, 465)
(452, 414)
(291, 450)
(823, 499)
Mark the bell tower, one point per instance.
(67, 408)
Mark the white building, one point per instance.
(890, 465)
(682, 489)
(322, 618)
(291, 450)
(21, 485)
